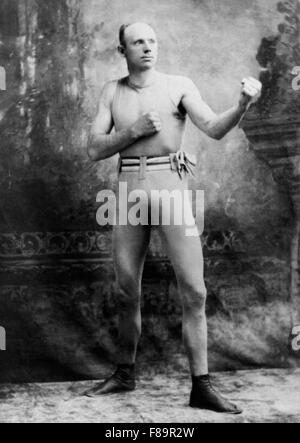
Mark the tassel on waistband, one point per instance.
(180, 161)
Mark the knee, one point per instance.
(194, 297)
(128, 293)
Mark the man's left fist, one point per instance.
(251, 91)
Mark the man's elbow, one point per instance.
(213, 131)
(92, 154)
(215, 134)
(93, 149)
(218, 136)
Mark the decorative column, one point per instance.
(273, 124)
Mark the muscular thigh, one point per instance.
(180, 232)
(130, 245)
(185, 254)
(130, 242)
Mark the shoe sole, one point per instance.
(121, 391)
(239, 412)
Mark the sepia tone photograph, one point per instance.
(149, 214)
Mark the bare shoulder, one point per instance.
(180, 81)
(108, 91)
(182, 85)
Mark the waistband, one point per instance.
(180, 161)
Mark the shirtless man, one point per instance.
(148, 110)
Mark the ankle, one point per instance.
(200, 380)
(126, 366)
(200, 377)
(128, 370)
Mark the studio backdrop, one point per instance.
(57, 283)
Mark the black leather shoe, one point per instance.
(121, 381)
(204, 396)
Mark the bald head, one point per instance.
(133, 29)
(138, 46)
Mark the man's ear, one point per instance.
(121, 50)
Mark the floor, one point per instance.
(265, 396)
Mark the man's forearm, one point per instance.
(104, 146)
(223, 123)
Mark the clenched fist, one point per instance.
(148, 124)
(251, 91)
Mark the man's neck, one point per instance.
(142, 79)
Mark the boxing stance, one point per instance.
(148, 111)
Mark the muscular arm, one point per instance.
(214, 125)
(102, 144)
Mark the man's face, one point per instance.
(141, 47)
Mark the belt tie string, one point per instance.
(143, 168)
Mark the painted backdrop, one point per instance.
(57, 290)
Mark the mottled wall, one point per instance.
(56, 277)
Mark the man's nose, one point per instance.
(147, 48)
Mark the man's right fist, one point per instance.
(148, 124)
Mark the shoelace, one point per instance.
(211, 390)
(206, 384)
(121, 375)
